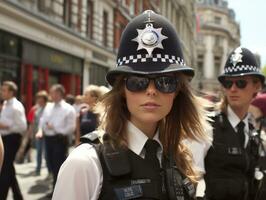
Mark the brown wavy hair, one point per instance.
(184, 121)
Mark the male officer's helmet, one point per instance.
(149, 45)
(241, 62)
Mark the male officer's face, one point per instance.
(240, 91)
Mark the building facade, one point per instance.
(182, 14)
(74, 42)
(55, 41)
(218, 34)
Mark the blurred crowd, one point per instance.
(53, 124)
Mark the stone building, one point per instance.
(74, 42)
(218, 34)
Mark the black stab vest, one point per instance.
(128, 176)
(227, 164)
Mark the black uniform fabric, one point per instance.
(134, 176)
(142, 173)
(227, 164)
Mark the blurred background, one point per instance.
(74, 42)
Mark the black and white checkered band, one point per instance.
(242, 68)
(155, 58)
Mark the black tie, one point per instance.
(241, 133)
(151, 148)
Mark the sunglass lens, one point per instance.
(166, 84)
(227, 84)
(136, 83)
(241, 84)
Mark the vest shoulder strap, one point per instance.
(91, 138)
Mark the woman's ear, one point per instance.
(258, 86)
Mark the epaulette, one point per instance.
(91, 138)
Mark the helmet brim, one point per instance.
(260, 76)
(125, 69)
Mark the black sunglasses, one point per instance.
(164, 84)
(241, 83)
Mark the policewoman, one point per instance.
(149, 110)
(228, 163)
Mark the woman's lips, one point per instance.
(150, 106)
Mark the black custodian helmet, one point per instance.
(149, 45)
(241, 62)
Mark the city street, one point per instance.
(33, 187)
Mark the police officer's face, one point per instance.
(241, 91)
(149, 106)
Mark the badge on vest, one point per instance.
(130, 192)
(234, 151)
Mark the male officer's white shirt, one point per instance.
(80, 176)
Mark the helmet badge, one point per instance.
(236, 57)
(149, 38)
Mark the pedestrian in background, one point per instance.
(147, 113)
(1, 153)
(41, 102)
(88, 120)
(229, 162)
(1, 142)
(57, 122)
(12, 125)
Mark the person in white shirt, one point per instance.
(1, 153)
(1, 142)
(230, 161)
(57, 122)
(147, 114)
(12, 126)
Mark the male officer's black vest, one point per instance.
(128, 176)
(227, 163)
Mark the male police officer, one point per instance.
(229, 162)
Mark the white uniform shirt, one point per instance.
(61, 116)
(13, 116)
(80, 176)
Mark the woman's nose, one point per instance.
(151, 89)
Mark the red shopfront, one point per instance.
(42, 67)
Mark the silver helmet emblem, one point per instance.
(236, 57)
(150, 37)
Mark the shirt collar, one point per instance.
(137, 139)
(9, 101)
(59, 103)
(234, 119)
